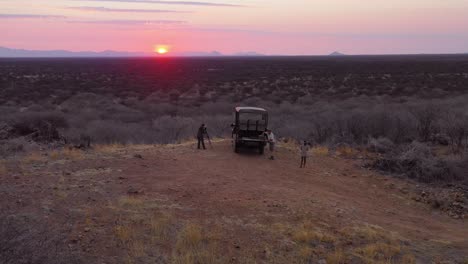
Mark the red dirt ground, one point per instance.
(243, 196)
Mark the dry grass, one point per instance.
(189, 237)
(308, 235)
(346, 151)
(34, 157)
(305, 253)
(3, 168)
(369, 243)
(375, 233)
(160, 227)
(72, 154)
(137, 248)
(108, 148)
(409, 259)
(193, 246)
(320, 150)
(336, 257)
(130, 203)
(123, 234)
(378, 252)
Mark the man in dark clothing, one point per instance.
(202, 132)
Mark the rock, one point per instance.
(6, 131)
(138, 156)
(322, 261)
(87, 229)
(133, 190)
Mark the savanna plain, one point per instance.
(98, 160)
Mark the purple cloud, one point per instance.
(105, 9)
(26, 16)
(169, 2)
(130, 22)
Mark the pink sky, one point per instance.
(293, 27)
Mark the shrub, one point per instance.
(417, 162)
(426, 118)
(40, 127)
(381, 145)
(456, 128)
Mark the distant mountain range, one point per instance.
(336, 53)
(22, 53)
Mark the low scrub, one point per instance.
(417, 161)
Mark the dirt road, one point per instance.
(255, 204)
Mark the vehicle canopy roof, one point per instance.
(250, 110)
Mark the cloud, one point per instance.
(105, 9)
(27, 16)
(130, 22)
(191, 3)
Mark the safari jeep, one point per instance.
(249, 128)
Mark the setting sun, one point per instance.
(161, 49)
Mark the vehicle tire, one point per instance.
(261, 148)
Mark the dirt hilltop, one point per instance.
(177, 204)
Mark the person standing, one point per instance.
(202, 132)
(271, 141)
(304, 149)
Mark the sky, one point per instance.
(273, 27)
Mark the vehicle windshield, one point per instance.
(253, 117)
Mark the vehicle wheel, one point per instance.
(261, 148)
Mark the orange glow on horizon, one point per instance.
(161, 49)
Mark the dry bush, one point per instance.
(39, 126)
(380, 145)
(12, 147)
(417, 161)
(169, 129)
(105, 131)
(455, 126)
(426, 117)
(154, 119)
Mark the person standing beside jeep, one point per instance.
(304, 148)
(271, 141)
(202, 132)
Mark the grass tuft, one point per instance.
(336, 257)
(108, 148)
(320, 150)
(160, 227)
(33, 157)
(3, 168)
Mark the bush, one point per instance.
(27, 123)
(417, 162)
(381, 145)
(108, 131)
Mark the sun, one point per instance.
(161, 49)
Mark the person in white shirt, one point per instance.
(304, 148)
(271, 141)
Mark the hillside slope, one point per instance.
(177, 204)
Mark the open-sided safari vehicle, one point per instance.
(249, 128)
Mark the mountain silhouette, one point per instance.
(336, 53)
